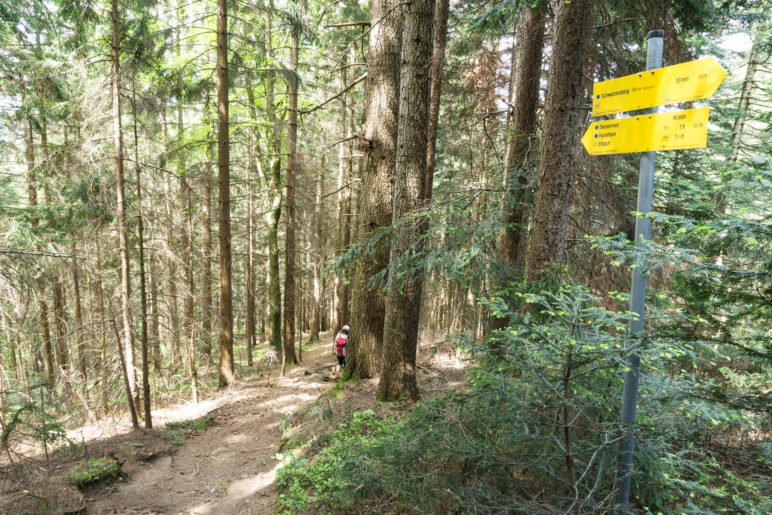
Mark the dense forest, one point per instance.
(192, 192)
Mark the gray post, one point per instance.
(637, 301)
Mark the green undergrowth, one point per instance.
(537, 431)
(176, 432)
(320, 484)
(94, 471)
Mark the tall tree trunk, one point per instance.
(521, 145)
(522, 129)
(337, 319)
(438, 63)
(3, 408)
(12, 343)
(60, 319)
(190, 325)
(187, 234)
(224, 201)
(439, 40)
(206, 255)
(573, 27)
(155, 319)
(374, 212)
(48, 350)
(745, 95)
(274, 212)
(142, 288)
(288, 352)
(403, 299)
(256, 160)
(104, 371)
(124, 368)
(317, 252)
(128, 337)
(344, 304)
(303, 258)
(346, 218)
(272, 241)
(171, 258)
(80, 329)
(249, 322)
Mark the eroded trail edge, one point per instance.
(230, 467)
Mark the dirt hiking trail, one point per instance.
(217, 456)
(230, 466)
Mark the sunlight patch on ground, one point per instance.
(177, 413)
(238, 491)
(235, 439)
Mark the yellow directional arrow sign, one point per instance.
(683, 82)
(644, 133)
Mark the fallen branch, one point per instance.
(337, 95)
(349, 24)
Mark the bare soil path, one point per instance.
(229, 467)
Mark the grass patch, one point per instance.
(199, 424)
(94, 471)
(322, 484)
(176, 432)
(335, 391)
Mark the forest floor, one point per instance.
(221, 455)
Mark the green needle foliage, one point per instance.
(538, 430)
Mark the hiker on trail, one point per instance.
(341, 340)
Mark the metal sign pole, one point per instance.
(637, 301)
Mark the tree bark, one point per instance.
(142, 288)
(155, 322)
(438, 63)
(403, 300)
(186, 197)
(288, 352)
(521, 145)
(206, 256)
(347, 217)
(224, 202)
(171, 258)
(48, 351)
(256, 160)
(104, 371)
(190, 325)
(249, 321)
(128, 337)
(60, 319)
(374, 212)
(338, 320)
(272, 241)
(573, 27)
(318, 252)
(522, 129)
(80, 329)
(274, 212)
(60, 322)
(745, 96)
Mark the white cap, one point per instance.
(345, 328)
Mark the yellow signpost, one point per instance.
(648, 132)
(683, 82)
